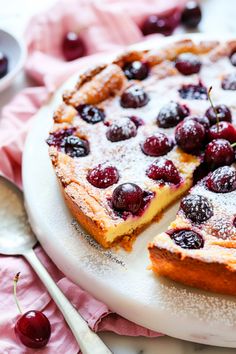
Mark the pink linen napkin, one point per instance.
(108, 25)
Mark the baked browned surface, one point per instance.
(212, 276)
(211, 267)
(102, 86)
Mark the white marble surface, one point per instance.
(219, 17)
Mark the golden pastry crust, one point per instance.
(211, 276)
(102, 86)
(211, 267)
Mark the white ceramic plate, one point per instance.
(119, 279)
(15, 51)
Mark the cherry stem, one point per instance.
(16, 278)
(233, 145)
(213, 107)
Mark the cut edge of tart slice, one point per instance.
(110, 227)
(200, 253)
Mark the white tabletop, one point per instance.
(218, 17)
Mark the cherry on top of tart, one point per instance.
(222, 180)
(202, 120)
(157, 144)
(171, 114)
(134, 97)
(190, 135)
(67, 142)
(188, 64)
(218, 153)
(223, 114)
(127, 197)
(197, 208)
(187, 239)
(136, 70)
(57, 138)
(75, 146)
(229, 82)
(193, 91)
(121, 129)
(222, 130)
(164, 171)
(90, 114)
(103, 176)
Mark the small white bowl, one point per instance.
(15, 51)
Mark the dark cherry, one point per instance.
(75, 146)
(223, 130)
(136, 70)
(187, 239)
(234, 222)
(193, 92)
(190, 135)
(137, 121)
(57, 138)
(134, 97)
(164, 23)
(191, 15)
(103, 176)
(33, 329)
(90, 113)
(73, 47)
(223, 114)
(3, 65)
(197, 208)
(202, 120)
(164, 170)
(171, 114)
(121, 129)
(218, 153)
(188, 64)
(233, 58)
(156, 145)
(222, 180)
(229, 82)
(127, 197)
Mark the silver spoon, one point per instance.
(17, 238)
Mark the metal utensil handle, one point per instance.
(88, 341)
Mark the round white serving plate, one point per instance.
(118, 278)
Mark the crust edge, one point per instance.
(215, 277)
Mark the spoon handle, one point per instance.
(88, 341)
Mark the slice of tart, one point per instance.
(199, 248)
(113, 146)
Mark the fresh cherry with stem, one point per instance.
(73, 46)
(33, 327)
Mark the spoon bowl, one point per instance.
(16, 236)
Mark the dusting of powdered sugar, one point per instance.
(106, 254)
